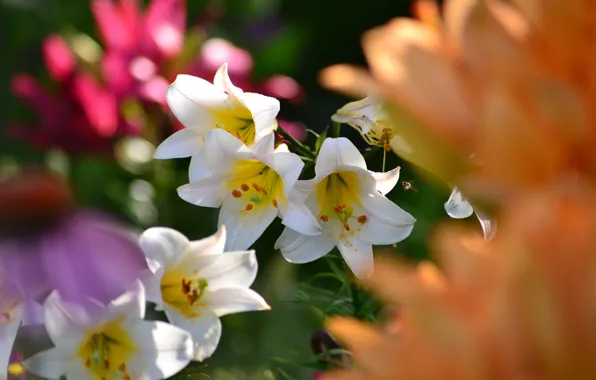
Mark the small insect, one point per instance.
(408, 186)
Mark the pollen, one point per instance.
(244, 187)
(274, 201)
(362, 219)
(324, 218)
(256, 186)
(185, 299)
(346, 226)
(249, 207)
(236, 193)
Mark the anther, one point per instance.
(88, 362)
(324, 218)
(256, 186)
(347, 226)
(249, 207)
(106, 363)
(236, 193)
(186, 286)
(238, 135)
(122, 367)
(244, 187)
(274, 203)
(362, 219)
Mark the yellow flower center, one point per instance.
(337, 195)
(183, 292)
(257, 185)
(106, 350)
(238, 122)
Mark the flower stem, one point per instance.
(335, 129)
(384, 158)
(300, 148)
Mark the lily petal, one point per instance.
(358, 255)
(192, 101)
(131, 303)
(165, 245)
(165, 349)
(298, 248)
(457, 206)
(298, 217)
(184, 143)
(207, 192)
(386, 222)
(244, 227)
(234, 300)
(232, 269)
(222, 81)
(386, 181)
(198, 168)
(287, 165)
(222, 150)
(46, 364)
(336, 152)
(264, 110)
(205, 331)
(64, 321)
(211, 245)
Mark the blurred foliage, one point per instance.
(295, 38)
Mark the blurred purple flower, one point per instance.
(47, 244)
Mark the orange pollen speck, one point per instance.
(239, 135)
(185, 286)
(88, 362)
(274, 203)
(362, 219)
(347, 226)
(256, 186)
(249, 207)
(236, 193)
(122, 367)
(324, 218)
(244, 187)
(125, 377)
(106, 363)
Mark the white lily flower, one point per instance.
(202, 106)
(11, 312)
(110, 342)
(370, 119)
(195, 283)
(349, 201)
(458, 207)
(252, 187)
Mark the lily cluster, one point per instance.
(237, 166)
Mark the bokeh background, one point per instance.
(113, 171)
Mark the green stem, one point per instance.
(335, 129)
(300, 148)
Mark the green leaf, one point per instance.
(320, 139)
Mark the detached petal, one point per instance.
(232, 269)
(165, 245)
(234, 300)
(244, 227)
(358, 255)
(386, 222)
(165, 349)
(298, 248)
(457, 206)
(46, 364)
(192, 101)
(386, 181)
(337, 152)
(184, 143)
(205, 331)
(264, 110)
(207, 192)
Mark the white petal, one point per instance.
(183, 143)
(205, 331)
(198, 168)
(222, 150)
(337, 152)
(32, 313)
(165, 350)
(222, 81)
(299, 218)
(457, 206)
(46, 364)
(211, 245)
(165, 245)
(298, 248)
(386, 222)
(489, 226)
(226, 301)
(302, 189)
(358, 255)
(207, 192)
(64, 321)
(232, 269)
(8, 333)
(265, 146)
(192, 100)
(287, 165)
(244, 228)
(152, 284)
(264, 110)
(131, 303)
(386, 181)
